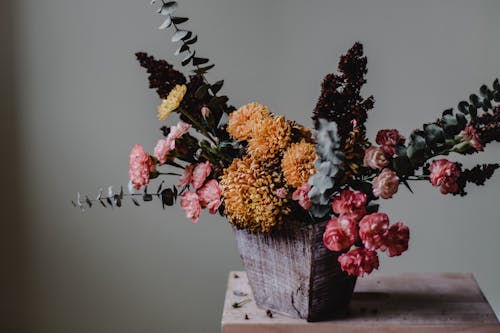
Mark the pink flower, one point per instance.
(209, 196)
(350, 203)
(205, 112)
(281, 193)
(373, 230)
(200, 173)
(375, 158)
(386, 184)
(359, 261)
(162, 150)
(191, 205)
(445, 174)
(469, 134)
(187, 177)
(396, 240)
(340, 233)
(176, 132)
(140, 166)
(388, 139)
(301, 195)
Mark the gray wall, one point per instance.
(82, 101)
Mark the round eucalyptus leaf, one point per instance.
(167, 23)
(179, 35)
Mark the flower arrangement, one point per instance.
(261, 171)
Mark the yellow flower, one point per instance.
(241, 121)
(248, 191)
(270, 138)
(298, 163)
(354, 151)
(172, 102)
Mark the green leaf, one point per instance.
(416, 150)
(118, 201)
(188, 58)
(168, 8)
(87, 200)
(496, 96)
(179, 35)
(461, 121)
(167, 197)
(199, 61)
(167, 23)
(434, 135)
(401, 163)
(463, 107)
(496, 85)
(201, 92)
(181, 49)
(472, 111)
(450, 124)
(160, 186)
(474, 99)
(216, 86)
(447, 112)
(487, 104)
(135, 202)
(179, 20)
(147, 197)
(203, 70)
(189, 34)
(484, 91)
(192, 40)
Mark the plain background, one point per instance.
(74, 101)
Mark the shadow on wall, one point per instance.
(11, 226)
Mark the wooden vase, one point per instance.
(293, 273)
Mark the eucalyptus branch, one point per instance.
(168, 196)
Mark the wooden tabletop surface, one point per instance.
(409, 302)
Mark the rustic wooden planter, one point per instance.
(291, 272)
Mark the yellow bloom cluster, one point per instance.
(298, 163)
(270, 138)
(248, 190)
(241, 122)
(354, 150)
(172, 102)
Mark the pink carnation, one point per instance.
(375, 158)
(187, 177)
(373, 230)
(396, 240)
(191, 205)
(350, 203)
(301, 195)
(445, 174)
(340, 233)
(176, 132)
(386, 184)
(209, 196)
(469, 134)
(281, 193)
(200, 174)
(140, 166)
(359, 262)
(161, 151)
(388, 139)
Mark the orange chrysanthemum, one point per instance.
(298, 163)
(248, 191)
(270, 138)
(241, 122)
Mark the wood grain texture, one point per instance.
(291, 272)
(403, 303)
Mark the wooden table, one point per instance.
(411, 302)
